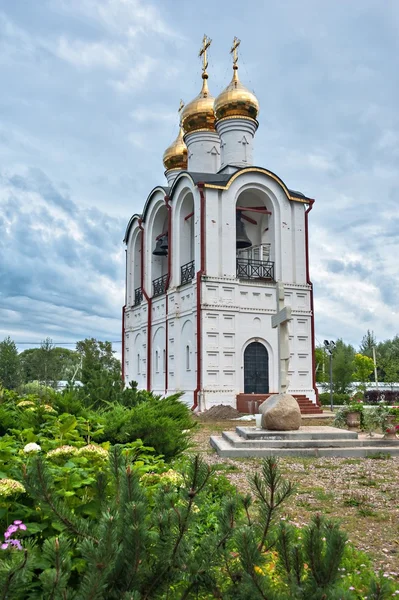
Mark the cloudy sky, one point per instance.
(89, 94)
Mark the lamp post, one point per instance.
(330, 347)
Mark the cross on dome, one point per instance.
(233, 51)
(206, 42)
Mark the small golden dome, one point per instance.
(236, 100)
(175, 156)
(198, 114)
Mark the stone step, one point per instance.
(224, 449)
(238, 442)
(303, 433)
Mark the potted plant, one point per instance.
(350, 415)
(383, 417)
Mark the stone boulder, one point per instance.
(280, 412)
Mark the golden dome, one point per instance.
(236, 100)
(175, 156)
(198, 114)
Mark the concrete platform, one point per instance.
(247, 442)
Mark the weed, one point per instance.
(366, 511)
(323, 496)
(354, 499)
(368, 482)
(379, 455)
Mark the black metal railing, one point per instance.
(138, 296)
(249, 268)
(187, 272)
(159, 285)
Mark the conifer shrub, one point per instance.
(138, 546)
(162, 423)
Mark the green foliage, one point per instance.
(380, 417)
(342, 366)
(338, 399)
(10, 369)
(143, 543)
(367, 344)
(162, 423)
(363, 367)
(100, 373)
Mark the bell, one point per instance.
(164, 244)
(161, 246)
(242, 240)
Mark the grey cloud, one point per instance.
(50, 265)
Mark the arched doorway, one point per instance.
(256, 369)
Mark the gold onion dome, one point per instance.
(198, 114)
(236, 100)
(175, 156)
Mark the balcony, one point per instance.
(250, 268)
(187, 273)
(159, 285)
(138, 296)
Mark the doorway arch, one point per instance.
(256, 369)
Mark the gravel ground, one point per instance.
(362, 493)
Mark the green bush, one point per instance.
(162, 423)
(135, 546)
(338, 399)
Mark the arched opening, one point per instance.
(186, 240)
(137, 293)
(256, 369)
(160, 245)
(255, 240)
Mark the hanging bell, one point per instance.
(165, 244)
(242, 240)
(161, 246)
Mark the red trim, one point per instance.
(170, 241)
(123, 344)
(258, 210)
(311, 202)
(249, 219)
(149, 309)
(200, 272)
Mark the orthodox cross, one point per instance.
(181, 106)
(206, 42)
(280, 320)
(233, 51)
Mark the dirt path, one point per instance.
(362, 493)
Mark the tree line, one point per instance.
(350, 364)
(92, 363)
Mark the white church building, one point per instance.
(210, 261)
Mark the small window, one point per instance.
(138, 364)
(164, 361)
(156, 361)
(187, 358)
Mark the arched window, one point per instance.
(164, 361)
(187, 358)
(156, 361)
(138, 363)
(186, 240)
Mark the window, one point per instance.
(164, 361)
(156, 361)
(187, 358)
(138, 364)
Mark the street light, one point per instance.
(330, 347)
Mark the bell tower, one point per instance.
(218, 266)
